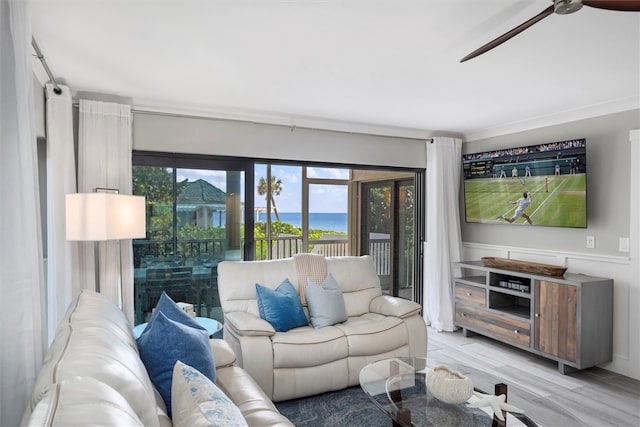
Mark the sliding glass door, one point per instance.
(388, 233)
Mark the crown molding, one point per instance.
(611, 107)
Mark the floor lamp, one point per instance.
(102, 216)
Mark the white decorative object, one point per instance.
(449, 386)
(187, 308)
(497, 403)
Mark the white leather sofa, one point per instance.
(306, 361)
(92, 374)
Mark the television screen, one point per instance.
(540, 185)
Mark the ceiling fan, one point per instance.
(561, 7)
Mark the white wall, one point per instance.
(165, 133)
(613, 158)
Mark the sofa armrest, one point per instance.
(223, 355)
(393, 306)
(246, 324)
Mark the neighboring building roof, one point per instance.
(200, 192)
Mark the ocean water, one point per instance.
(317, 220)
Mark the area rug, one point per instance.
(346, 408)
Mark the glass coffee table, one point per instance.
(397, 386)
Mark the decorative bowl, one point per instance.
(449, 386)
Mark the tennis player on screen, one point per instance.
(522, 203)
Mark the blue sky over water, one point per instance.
(323, 198)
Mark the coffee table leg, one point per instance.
(404, 416)
(499, 389)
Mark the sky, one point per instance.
(322, 197)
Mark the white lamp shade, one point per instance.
(104, 216)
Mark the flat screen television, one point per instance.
(535, 185)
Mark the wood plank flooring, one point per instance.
(593, 397)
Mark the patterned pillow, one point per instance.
(198, 402)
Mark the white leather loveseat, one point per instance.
(305, 361)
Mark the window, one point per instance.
(304, 209)
(195, 220)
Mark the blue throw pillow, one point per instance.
(281, 307)
(325, 303)
(170, 309)
(172, 335)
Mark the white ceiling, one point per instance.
(361, 65)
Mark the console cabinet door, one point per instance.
(556, 323)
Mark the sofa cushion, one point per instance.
(83, 401)
(198, 402)
(281, 307)
(325, 302)
(166, 340)
(358, 281)
(372, 334)
(305, 347)
(243, 276)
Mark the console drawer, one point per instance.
(494, 324)
(471, 294)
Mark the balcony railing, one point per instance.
(184, 248)
(281, 247)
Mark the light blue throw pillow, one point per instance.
(325, 303)
(173, 335)
(281, 307)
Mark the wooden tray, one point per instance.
(529, 267)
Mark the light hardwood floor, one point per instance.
(594, 397)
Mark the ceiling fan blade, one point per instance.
(623, 5)
(506, 36)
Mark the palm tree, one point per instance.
(276, 189)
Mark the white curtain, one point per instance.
(22, 331)
(62, 284)
(443, 245)
(104, 161)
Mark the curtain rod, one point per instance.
(56, 88)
